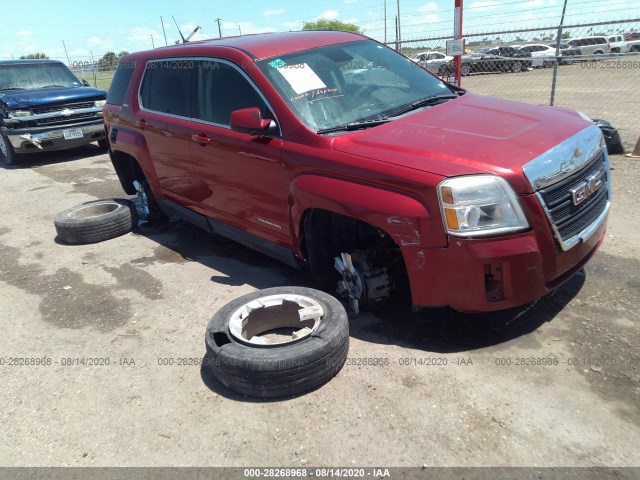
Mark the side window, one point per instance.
(120, 83)
(169, 87)
(223, 89)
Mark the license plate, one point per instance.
(72, 133)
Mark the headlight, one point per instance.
(19, 113)
(480, 205)
(100, 103)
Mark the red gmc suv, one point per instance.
(329, 149)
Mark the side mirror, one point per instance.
(249, 120)
(85, 83)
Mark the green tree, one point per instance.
(35, 56)
(566, 35)
(123, 53)
(324, 24)
(109, 61)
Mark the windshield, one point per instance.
(29, 76)
(350, 82)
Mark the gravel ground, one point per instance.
(448, 390)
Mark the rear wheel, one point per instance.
(635, 48)
(465, 70)
(516, 67)
(7, 155)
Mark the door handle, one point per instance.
(201, 138)
(142, 123)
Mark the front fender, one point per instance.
(405, 219)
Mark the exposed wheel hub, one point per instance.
(359, 282)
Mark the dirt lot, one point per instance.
(147, 296)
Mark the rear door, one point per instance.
(168, 96)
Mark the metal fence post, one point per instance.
(557, 62)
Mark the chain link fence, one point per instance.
(595, 68)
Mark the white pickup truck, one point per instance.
(625, 43)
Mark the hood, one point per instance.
(47, 96)
(471, 134)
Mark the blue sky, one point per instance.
(93, 28)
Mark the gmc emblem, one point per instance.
(587, 188)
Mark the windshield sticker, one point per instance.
(301, 77)
(314, 95)
(277, 63)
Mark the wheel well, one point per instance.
(326, 234)
(128, 170)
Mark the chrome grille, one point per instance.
(65, 120)
(59, 108)
(568, 218)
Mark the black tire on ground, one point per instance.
(279, 370)
(103, 144)
(95, 221)
(516, 67)
(465, 70)
(7, 155)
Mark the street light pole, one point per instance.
(219, 29)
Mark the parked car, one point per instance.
(469, 201)
(541, 55)
(498, 59)
(625, 43)
(43, 106)
(589, 46)
(567, 53)
(435, 62)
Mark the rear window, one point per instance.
(169, 87)
(120, 83)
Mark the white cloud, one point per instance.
(139, 38)
(278, 11)
(328, 15)
(24, 33)
(430, 13)
(350, 1)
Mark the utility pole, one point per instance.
(219, 29)
(153, 45)
(164, 33)
(385, 21)
(239, 30)
(397, 37)
(65, 52)
(399, 34)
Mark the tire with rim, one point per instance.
(278, 342)
(95, 221)
(465, 70)
(7, 155)
(516, 67)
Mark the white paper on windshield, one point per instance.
(301, 77)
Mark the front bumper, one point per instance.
(482, 275)
(25, 140)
